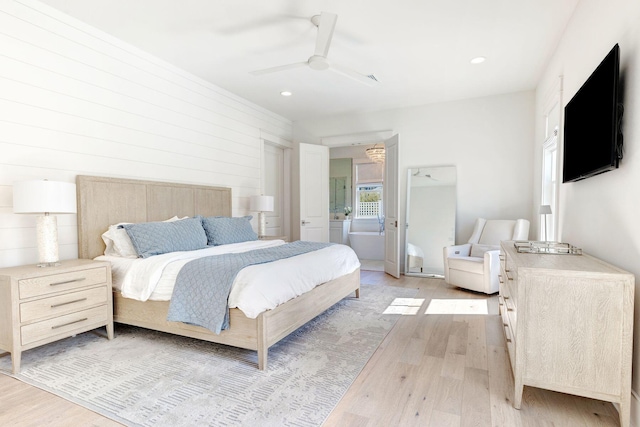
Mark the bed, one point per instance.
(104, 201)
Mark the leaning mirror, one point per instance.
(431, 218)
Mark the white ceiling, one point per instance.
(419, 50)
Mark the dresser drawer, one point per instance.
(62, 304)
(63, 325)
(510, 307)
(43, 285)
(510, 276)
(511, 347)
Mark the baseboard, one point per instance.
(635, 409)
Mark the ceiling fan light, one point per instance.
(376, 154)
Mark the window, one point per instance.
(369, 200)
(549, 184)
(368, 179)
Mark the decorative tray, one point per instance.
(557, 248)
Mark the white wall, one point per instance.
(75, 101)
(488, 139)
(600, 214)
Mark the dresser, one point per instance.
(41, 305)
(568, 324)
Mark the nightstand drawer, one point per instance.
(63, 324)
(62, 304)
(61, 282)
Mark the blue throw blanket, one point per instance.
(202, 287)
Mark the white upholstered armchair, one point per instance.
(476, 264)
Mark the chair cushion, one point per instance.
(469, 264)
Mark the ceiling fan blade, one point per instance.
(278, 68)
(368, 80)
(326, 25)
(257, 24)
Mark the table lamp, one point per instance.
(45, 198)
(261, 204)
(545, 210)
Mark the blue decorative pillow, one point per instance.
(155, 238)
(222, 230)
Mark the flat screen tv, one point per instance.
(592, 132)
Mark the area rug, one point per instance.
(148, 378)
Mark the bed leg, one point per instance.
(263, 348)
(358, 293)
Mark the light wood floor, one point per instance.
(431, 370)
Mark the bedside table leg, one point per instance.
(110, 330)
(15, 361)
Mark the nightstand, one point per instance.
(274, 238)
(39, 305)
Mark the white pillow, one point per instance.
(479, 250)
(118, 243)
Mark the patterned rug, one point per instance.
(148, 378)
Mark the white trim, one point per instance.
(275, 140)
(356, 138)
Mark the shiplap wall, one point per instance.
(74, 100)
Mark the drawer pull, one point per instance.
(500, 278)
(505, 324)
(505, 297)
(509, 309)
(68, 302)
(70, 323)
(67, 281)
(508, 339)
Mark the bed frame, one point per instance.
(105, 201)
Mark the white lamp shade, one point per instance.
(261, 204)
(545, 210)
(42, 196)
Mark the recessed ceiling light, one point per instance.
(286, 93)
(478, 60)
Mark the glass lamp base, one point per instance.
(48, 264)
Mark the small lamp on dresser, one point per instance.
(545, 210)
(45, 198)
(261, 204)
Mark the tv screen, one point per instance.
(592, 143)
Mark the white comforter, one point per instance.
(256, 288)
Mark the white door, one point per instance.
(391, 209)
(314, 192)
(274, 186)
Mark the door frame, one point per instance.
(287, 146)
(369, 138)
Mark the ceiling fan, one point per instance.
(326, 23)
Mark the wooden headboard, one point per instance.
(105, 201)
